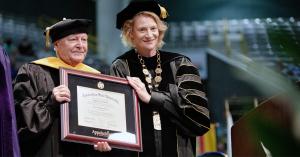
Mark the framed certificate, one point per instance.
(102, 108)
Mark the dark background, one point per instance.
(179, 10)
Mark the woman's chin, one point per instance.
(149, 47)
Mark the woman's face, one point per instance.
(144, 34)
(73, 48)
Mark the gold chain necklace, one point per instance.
(156, 81)
(158, 71)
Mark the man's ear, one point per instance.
(55, 44)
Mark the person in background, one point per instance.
(38, 93)
(25, 48)
(8, 130)
(174, 108)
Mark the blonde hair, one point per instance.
(128, 26)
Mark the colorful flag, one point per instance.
(207, 142)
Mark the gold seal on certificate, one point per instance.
(100, 85)
(102, 108)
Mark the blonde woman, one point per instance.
(173, 106)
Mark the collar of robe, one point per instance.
(56, 63)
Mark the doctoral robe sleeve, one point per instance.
(34, 104)
(185, 102)
(119, 68)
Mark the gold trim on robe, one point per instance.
(55, 62)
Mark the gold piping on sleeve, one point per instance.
(188, 75)
(198, 124)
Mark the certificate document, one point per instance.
(101, 109)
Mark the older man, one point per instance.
(37, 92)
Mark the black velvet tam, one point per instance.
(135, 7)
(66, 27)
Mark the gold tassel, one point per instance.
(47, 38)
(163, 12)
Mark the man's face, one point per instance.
(73, 48)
